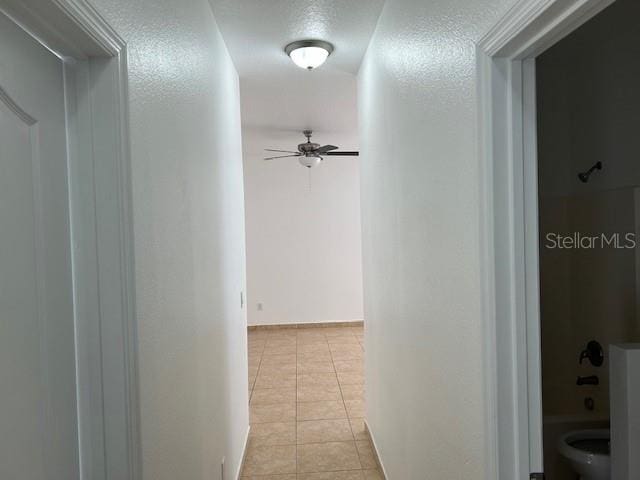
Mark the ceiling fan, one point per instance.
(309, 153)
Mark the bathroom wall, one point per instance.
(586, 294)
(588, 111)
(588, 103)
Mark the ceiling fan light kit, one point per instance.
(310, 154)
(309, 161)
(309, 54)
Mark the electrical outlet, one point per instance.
(260, 306)
(222, 469)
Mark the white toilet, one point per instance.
(588, 452)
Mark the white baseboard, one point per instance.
(377, 452)
(327, 323)
(244, 454)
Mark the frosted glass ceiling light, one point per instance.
(309, 54)
(309, 161)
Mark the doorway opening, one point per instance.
(304, 306)
(68, 331)
(558, 131)
(304, 298)
(510, 231)
(588, 190)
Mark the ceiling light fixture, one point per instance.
(309, 161)
(309, 54)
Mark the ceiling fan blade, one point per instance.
(325, 149)
(282, 156)
(283, 151)
(343, 154)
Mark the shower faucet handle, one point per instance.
(594, 353)
(584, 354)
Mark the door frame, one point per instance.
(509, 226)
(94, 60)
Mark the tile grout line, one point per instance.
(326, 340)
(344, 405)
(255, 380)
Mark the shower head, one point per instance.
(584, 176)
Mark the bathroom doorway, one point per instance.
(511, 235)
(588, 110)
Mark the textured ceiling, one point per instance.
(276, 95)
(256, 31)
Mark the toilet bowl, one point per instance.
(588, 452)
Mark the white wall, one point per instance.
(420, 177)
(304, 245)
(189, 237)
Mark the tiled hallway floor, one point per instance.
(306, 406)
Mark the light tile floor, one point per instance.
(307, 407)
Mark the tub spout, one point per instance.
(590, 380)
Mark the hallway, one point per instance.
(203, 202)
(306, 406)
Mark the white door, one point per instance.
(38, 412)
